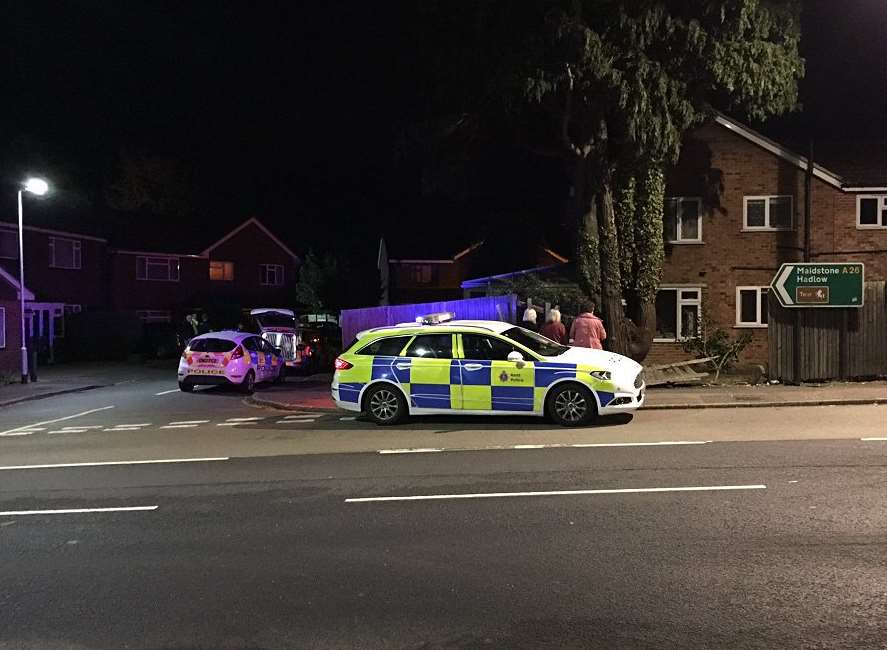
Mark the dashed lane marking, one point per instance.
(178, 426)
(167, 392)
(349, 419)
(73, 511)
(435, 450)
(17, 430)
(296, 421)
(254, 419)
(499, 495)
(191, 422)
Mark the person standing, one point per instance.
(588, 330)
(554, 329)
(529, 321)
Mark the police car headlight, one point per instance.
(601, 375)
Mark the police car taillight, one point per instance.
(341, 364)
(238, 352)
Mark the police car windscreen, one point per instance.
(212, 345)
(535, 342)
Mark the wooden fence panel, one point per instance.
(352, 321)
(822, 344)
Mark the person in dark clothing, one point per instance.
(554, 328)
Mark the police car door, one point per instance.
(253, 347)
(429, 357)
(490, 382)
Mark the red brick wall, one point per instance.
(248, 250)
(129, 293)
(10, 356)
(723, 167)
(85, 286)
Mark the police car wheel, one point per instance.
(248, 385)
(281, 375)
(385, 405)
(571, 405)
(186, 387)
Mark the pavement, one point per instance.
(138, 516)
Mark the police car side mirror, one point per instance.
(515, 356)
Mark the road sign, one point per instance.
(838, 284)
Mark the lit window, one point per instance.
(271, 275)
(677, 313)
(767, 213)
(683, 220)
(871, 212)
(158, 268)
(64, 253)
(221, 271)
(751, 306)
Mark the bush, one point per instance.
(712, 341)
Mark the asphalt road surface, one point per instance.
(746, 528)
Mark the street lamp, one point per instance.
(39, 187)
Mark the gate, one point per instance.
(810, 344)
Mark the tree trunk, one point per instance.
(588, 266)
(618, 329)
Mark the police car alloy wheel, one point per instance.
(249, 383)
(186, 387)
(385, 405)
(571, 405)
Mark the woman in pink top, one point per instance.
(588, 330)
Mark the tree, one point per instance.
(331, 283)
(155, 184)
(711, 342)
(621, 83)
(610, 87)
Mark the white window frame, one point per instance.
(882, 206)
(225, 265)
(172, 264)
(679, 201)
(14, 235)
(76, 251)
(2, 328)
(766, 199)
(680, 301)
(279, 278)
(763, 294)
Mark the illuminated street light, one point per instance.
(39, 187)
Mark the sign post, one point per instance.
(828, 284)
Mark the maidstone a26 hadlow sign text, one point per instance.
(830, 284)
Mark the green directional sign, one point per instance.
(838, 284)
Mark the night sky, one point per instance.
(295, 111)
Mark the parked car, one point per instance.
(229, 358)
(278, 326)
(481, 368)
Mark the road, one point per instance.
(313, 531)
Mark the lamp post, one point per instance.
(39, 187)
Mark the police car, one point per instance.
(439, 365)
(229, 358)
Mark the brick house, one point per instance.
(65, 271)
(249, 266)
(435, 276)
(10, 329)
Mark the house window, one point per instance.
(677, 313)
(221, 271)
(271, 275)
(420, 273)
(871, 211)
(767, 213)
(64, 253)
(154, 316)
(683, 220)
(2, 327)
(158, 268)
(751, 306)
(8, 244)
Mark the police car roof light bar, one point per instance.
(436, 319)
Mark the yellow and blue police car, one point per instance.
(438, 365)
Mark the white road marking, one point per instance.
(242, 419)
(295, 421)
(873, 439)
(73, 511)
(167, 392)
(40, 424)
(119, 428)
(35, 429)
(497, 495)
(135, 424)
(118, 462)
(351, 419)
(84, 427)
(191, 422)
(178, 426)
(231, 424)
(67, 431)
(430, 450)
